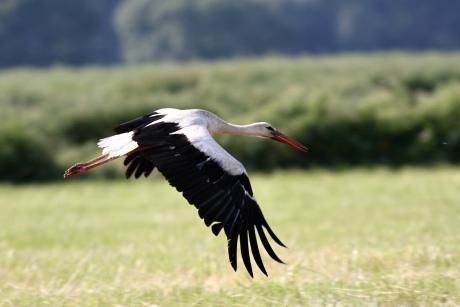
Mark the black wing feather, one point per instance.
(244, 246)
(224, 201)
(255, 249)
(138, 123)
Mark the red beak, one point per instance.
(283, 138)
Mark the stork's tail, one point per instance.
(113, 148)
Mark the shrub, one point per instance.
(387, 109)
(23, 158)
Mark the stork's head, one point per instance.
(268, 131)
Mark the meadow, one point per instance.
(370, 214)
(376, 236)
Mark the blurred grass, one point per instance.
(364, 236)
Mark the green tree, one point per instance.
(182, 29)
(405, 24)
(44, 32)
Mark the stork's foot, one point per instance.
(86, 166)
(76, 169)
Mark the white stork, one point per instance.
(179, 144)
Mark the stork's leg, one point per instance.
(86, 166)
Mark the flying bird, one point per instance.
(179, 144)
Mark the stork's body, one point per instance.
(179, 144)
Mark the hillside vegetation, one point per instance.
(349, 110)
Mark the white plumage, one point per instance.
(118, 145)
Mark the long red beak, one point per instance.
(283, 138)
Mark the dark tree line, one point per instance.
(77, 32)
(45, 32)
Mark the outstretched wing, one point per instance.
(223, 197)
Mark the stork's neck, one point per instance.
(251, 129)
(222, 127)
(216, 125)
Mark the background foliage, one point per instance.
(45, 32)
(76, 32)
(386, 108)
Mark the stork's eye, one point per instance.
(270, 128)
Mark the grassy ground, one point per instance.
(359, 237)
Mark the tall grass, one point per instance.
(361, 237)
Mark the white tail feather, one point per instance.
(118, 145)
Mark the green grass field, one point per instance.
(358, 237)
